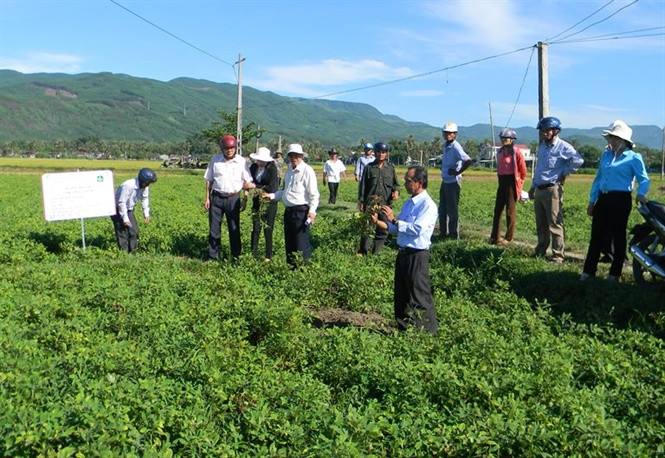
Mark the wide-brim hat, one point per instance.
(620, 129)
(295, 148)
(332, 151)
(262, 154)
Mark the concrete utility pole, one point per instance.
(239, 130)
(543, 82)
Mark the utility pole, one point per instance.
(239, 122)
(492, 150)
(543, 82)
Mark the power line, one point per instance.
(597, 22)
(578, 23)
(174, 36)
(519, 93)
(615, 36)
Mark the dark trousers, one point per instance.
(380, 236)
(126, 237)
(332, 187)
(220, 207)
(413, 301)
(265, 219)
(296, 234)
(449, 194)
(608, 225)
(506, 197)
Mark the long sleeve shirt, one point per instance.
(618, 174)
(300, 188)
(228, 176)
(126, 196)
(555, 161)
(416, 222)
(379, 181)
(454, 157)
(361, 163)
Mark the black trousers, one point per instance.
(296, 234)
(220, 207)
(332, 187)
(413, 301)
(126, 237)
(608, 226)
(266, 218)
(380, 236)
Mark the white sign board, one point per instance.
(75, 195)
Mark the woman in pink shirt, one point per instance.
(511, 169)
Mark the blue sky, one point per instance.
(313, 48)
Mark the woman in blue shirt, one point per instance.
(610, 198)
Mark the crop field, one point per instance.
(161, 354)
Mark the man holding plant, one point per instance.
(412, 300)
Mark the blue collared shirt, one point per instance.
(618, 174)
(555, 161)
(416, 222)
(454, 157)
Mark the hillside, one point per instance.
(48, 106)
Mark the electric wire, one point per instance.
(597, 22)
(610, 37)
(519, 93)
(579, 22)
(174, 36)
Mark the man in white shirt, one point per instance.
(226, 177)
(126, 196)
(300, 196)
(363, 160)
(333, 171)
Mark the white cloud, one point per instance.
(311, 79)
(44, 62)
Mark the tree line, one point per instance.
(203, 145)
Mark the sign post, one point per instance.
(78, 195)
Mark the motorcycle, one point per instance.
(647, 246)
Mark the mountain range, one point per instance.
(49, 106)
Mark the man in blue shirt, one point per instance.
(556, 160)
(414, 226)
(454, 162)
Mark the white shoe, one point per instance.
(584, 276)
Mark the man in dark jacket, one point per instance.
(378, 186)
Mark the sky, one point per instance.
(424, 61)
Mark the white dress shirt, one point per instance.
(228, 176)
(300, 188)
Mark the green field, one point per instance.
(161, 354)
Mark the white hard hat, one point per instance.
(450, 127)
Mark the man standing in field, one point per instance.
(454, 162)
(378, 186)
(333, 171)
(363, 160)
(226, 177)
(556, 160)
(414, 226)
(300, 196)
(126, 196)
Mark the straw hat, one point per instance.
(620, 129)
(262, 154)
(295, 148)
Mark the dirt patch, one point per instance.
(330, 317)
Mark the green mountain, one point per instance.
(48, 106)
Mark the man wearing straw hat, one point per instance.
(333, 171)
(300, 195)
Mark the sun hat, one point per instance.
(262, 154)
(332, 151)
(620, 129)
(295, 148)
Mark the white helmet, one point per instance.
(450, 127)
